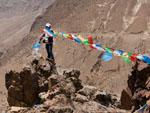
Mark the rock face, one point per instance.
(138, 91)
(23, 87)
(44, 91)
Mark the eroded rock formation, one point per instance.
(42, 89)
(138, 91)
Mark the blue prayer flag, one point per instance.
(76, 39)
(146, 59)
(36, 45)
(107, 56)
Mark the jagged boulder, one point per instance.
(88, 91)
(73, 75)
(126, 99)
(54, 80)
(22, 88)
(138, 87)
(106, 99)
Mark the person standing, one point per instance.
(48, 40)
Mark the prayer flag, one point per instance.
(36, 45)
(86, 42)
(107, 56)
(76, 39)
(108, 50)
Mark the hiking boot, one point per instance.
(51, 60)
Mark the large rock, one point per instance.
(138, 87)
(126, 98)
(106, 99)
(71, 73)
(54, 80)
(88, 91)
(22, 88)
(72, 76)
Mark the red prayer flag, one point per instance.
(90, 39)
(70, 37)
(133, 57)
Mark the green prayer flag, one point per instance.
(126, 59)
(86, 42)
(66, 35)
(129, 54)
(108, 50)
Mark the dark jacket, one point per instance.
(50, 39)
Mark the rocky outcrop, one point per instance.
(23, 87)
(138, 91)
(45, 91)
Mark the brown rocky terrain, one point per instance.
(43, 87)
(137, 92)
(51, 91)
(121, 24)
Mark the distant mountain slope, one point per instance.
(103, 15)
(11, 8)
(16, 18)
